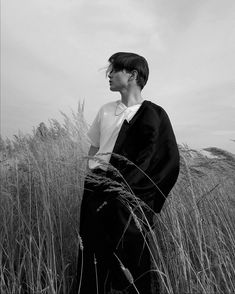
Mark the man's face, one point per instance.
(118, 80)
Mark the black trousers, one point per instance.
(111, 241)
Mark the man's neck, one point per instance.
(131, 97)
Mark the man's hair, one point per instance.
(131, 61)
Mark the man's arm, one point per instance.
(157, 164)
(93, 150)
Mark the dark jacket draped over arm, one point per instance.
(148, 143)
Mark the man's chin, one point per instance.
(112, 89)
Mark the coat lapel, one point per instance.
(125, 126)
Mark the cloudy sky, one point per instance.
(54, 51)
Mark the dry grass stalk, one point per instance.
(192, 242)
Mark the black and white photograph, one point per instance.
(117, 147)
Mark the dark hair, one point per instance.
(130, 62)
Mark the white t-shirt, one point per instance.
(105, 129)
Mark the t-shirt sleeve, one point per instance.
(94, 131)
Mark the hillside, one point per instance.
(42, 178)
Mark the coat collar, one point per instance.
(125, 126)
(138, 112)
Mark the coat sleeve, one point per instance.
(155, 170)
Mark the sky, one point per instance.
(53, 55)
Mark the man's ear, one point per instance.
(134, 75)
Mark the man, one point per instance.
(135, 165)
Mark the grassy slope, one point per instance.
(41, 187)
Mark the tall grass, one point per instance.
(196, 230)
(193, 240)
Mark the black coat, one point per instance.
(148, 141)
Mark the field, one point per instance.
(42, 176)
